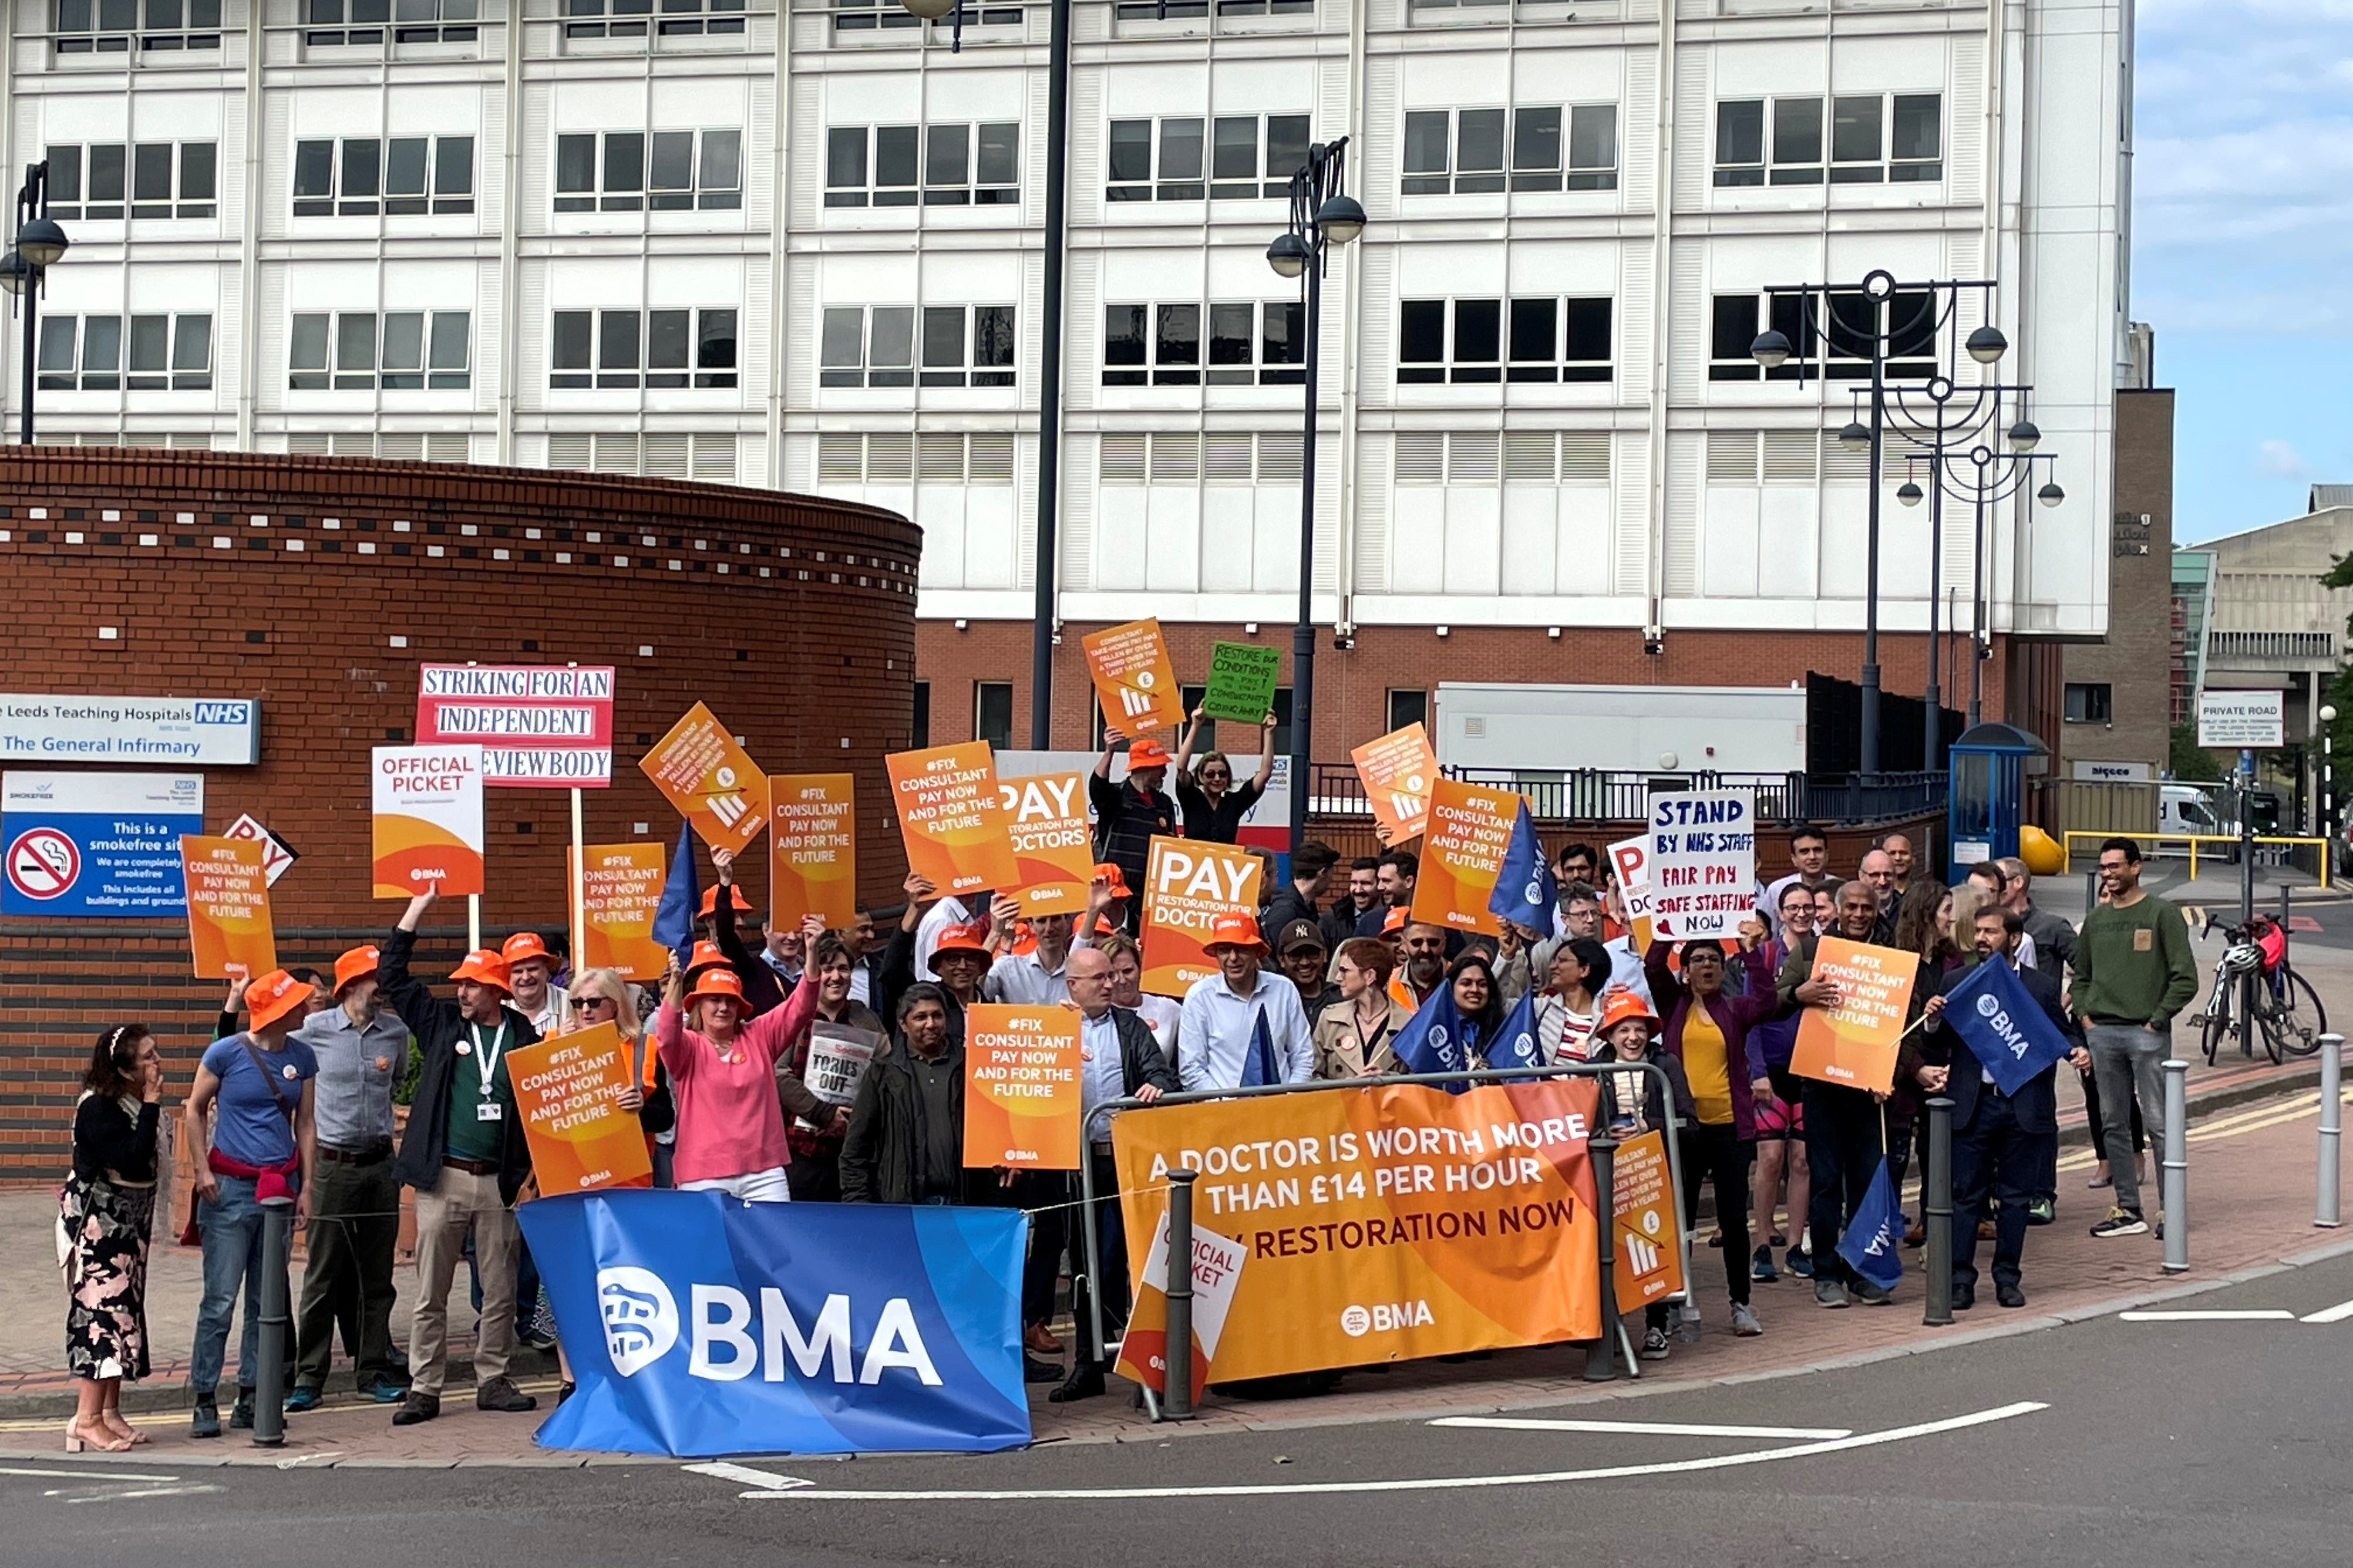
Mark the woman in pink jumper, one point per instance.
(722, 1074)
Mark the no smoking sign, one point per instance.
(43, 863)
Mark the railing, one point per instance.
(1599, 795)
(2309, 856)
(2309, 647)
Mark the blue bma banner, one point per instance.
(698, 1324)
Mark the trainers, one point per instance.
(303, 1398)
(240, 1416)
(1872, 1295)
(1761, 1267)
(206, 1422)
(1829, 1294)
(2121, 1222)
(417, 1407)
(1654, 1344)
(1744, 1321)
(501, 1394)
(384, 1390)
(1802, 1264)
(2042, 1211)
(1687, 1322)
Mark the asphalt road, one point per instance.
(2142, 1445)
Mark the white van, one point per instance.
(2185, 809)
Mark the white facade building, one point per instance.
(709, 239)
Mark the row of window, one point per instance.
(660, 172)
(937, 165)
(361, 351)
(334, 23)
(1874, 139)
(86, 354)
(623, 349)
(1248, 155)
(165, 179)
(161, 26)
(359, 178)
(1461, 150)
(1543, 339)
(1248, 342)
(1826, 343)
(874, 345)
(664, 18)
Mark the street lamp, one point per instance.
(1322, 214)
(2328, 778)
(40, 245)
(1985, 476)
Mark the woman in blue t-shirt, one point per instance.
(261, 1147)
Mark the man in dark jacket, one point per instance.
(464, 1153)
(1130, 813)
(1310, 863)
(1118, 1059)
(905, 1142)
(2001, 1143)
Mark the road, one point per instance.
(2138, 1443)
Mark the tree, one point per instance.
(2191, 763)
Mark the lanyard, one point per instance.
(488, 1056)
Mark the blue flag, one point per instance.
(2004, 1028)
(682, 901)
(1515, 1045)
(1432, 1040)
(1870, 1244)
(1261, 1065)
(1526, 892)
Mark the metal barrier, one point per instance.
(269, 1377)
(1600, 1145)
(2319, 847)
(2332, 1127)
(1936, 1212)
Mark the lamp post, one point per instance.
(1322, 214)
(1985, 478)
(2327, 779)
(40, 243)
(1049, 347)
(1819, 324)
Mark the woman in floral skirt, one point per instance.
(106, 1211)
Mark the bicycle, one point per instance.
(2286, 1009)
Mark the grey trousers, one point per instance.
(2126, 1064)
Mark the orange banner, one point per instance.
(814, 849)
(1854, 1043)
(1383, 1223)
(712, 781)
(1134, 679)
(228, 906)
(1650, 1266)
(1021, 1088)
(952, 817)
(1397, 772)
(1052, 846)
(1187, 884)
(1463, 852)
(619, 892)
(581, 1140)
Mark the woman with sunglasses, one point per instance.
(1213, 806)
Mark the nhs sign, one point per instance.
(184, 731)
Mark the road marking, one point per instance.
(118, 1495)
(750, 1476)
(2336, 1314)
(89, 1473)
(1421, 1483)
(2260, 1315)
(1641, 1428)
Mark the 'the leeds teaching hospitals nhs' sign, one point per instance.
(198, 731)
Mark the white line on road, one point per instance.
(91, 1473)
(141, 1491)
(2261, 1315)
(2336, 1314)
(1641, 1428)
(749, 1476)
(1421, 1483)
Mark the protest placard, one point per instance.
(1053, 848)
(566, 1091)
(1021, 1088)
(813, 849)
(1217, 1272)
(540, 726)
(952, 817)
(427, 820)
(229, 932)
(277, 857)
(1854, 1043)
(1702, 864)
(837, 1060)
(1242, 677)
(621, 889)
(1134, 679)
(1397, 772)
(1463, 850)
(1650, 1233)
(1630, 859)
(712, 781)
(1187, 884)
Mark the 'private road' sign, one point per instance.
(218, 731)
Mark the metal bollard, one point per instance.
(1177, 1390)
(2176, 1184)
(2332, 1126)
(1936, 1212)
(1601, 1360)
(269, 1377)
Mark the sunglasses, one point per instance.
(586, 1002)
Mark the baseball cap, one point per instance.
(1299, 934)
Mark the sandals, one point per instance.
(76, 1442)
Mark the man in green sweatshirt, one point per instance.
(2133, 972)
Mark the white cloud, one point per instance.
(2279, 461)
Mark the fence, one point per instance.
(2309, 856)
(2071, 805)
(1589, 795)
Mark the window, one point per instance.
(959, 166)
(658, 350)
(1258, 343)
(1249, 341)
(972, 165)
(1195, 10)
(1476, 152)
(967, 345)
(333, 22)
(631, 18)
(667, 170)
(1175, 177)
(167, 179)
(171, 353)
(1836, 346)
(401, 178)
(107, 26)
(867, 346)
(2087, 703)
(401, 351)
(1873, 138)
(1917, 152)
(1243, 147)
(866, 15)
(1550, 339)
(992, 713)
(1408, 708)
(1796, 140)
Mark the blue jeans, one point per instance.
(233, 1257)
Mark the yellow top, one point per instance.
(1706, 1066)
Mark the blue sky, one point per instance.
(2242, 243)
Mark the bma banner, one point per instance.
(1384, 1223)
(699, 1325)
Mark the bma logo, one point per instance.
(640, 1317)
(641, 1325)
(1383, 1317)
(224, 712)
(2013, 1038)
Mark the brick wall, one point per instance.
(286, 580)
(2135, 661)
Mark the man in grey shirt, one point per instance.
(362, 1052)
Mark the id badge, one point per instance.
(490, 1110)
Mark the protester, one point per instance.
(464, 1153)
(1898, 848)
(1032, 979)
(1580, 864)
(1129, 814)
(726, 1078)
(1425, 965)
(2133, 972)
(1780, 1118)
(1809, 868)
(263, 1146)
(1878, 871)
(905, 1138)
(107, 1213)
(1164, 1015)
(1118, 1059)
(766, 977)
(1393, 883)
(1113, 888)
(528, 964)
(2001, 1143)
(1393, 938)
(941, 914)
(1923, 928)
(1225, 1013)
(814, 1173)
(1568, 1009)
(1213, 804)
(362, 1051)
(1355, 1036)
(1300, 952)
(2050, 944)
(1310, 863)
(602, 996)
(1581, 918)
(1635, 1102)
(1364, 894)
(865, 950)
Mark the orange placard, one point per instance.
(952, 817)
(1462, 851)
(1021, 1088)
(228, 906)
(1217, 1261)
(581, 1140)
(1631, 860)
(1134, 679)
(1052, 846)
(814, 849)
(1650, 1266)
(1410, 1222)
(619, 892)
(426, 826)
(1854, 1043)
(712, 781)
(1187, 884)
(1397, 772)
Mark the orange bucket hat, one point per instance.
(706, 956)
(1624, 1005)
(715, 982)
(1235, 929)
(973, 939)
(1146, 754)
(360, 960)
(1111, 873)
(486, 967)
(522, 946)
(273, 995)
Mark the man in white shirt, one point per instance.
(548, 1007)
(1221, 1012)
(1580, 916)
(1032, 979)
